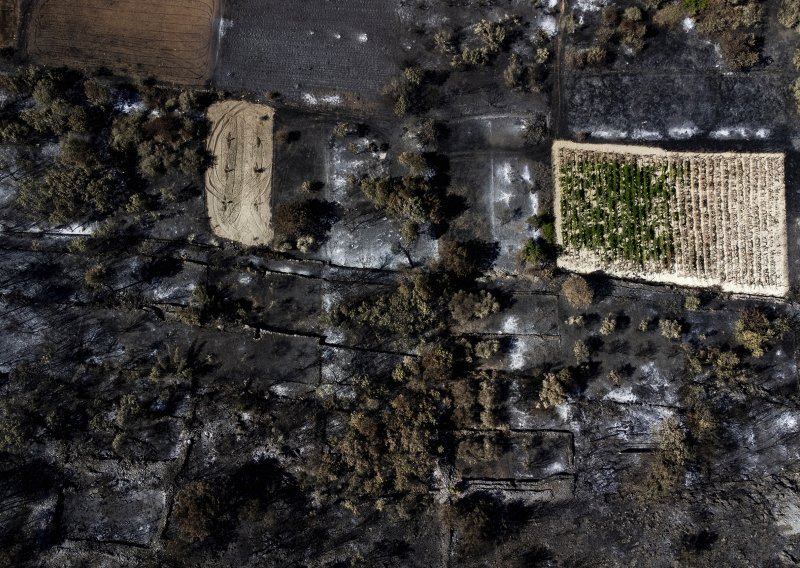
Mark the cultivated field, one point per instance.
(9, 22)
(171, 40)
(239, 185)
(694, 219)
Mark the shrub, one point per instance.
(789, 14)
(755, 332)
(694, 6)
(69, 192)
(404, 199)
(608, 325)
(671, 329)
(303, 220)
(795, 89)
(586, 57)
(669, 16)
(467, 306)
(581, 352)
(533, 253)
(95, 277)
(487, 348)
(577, 292)
(492, 35)
(513, 74)
(97, 93)
(415, 163)
(739, 50)
(669, 466)
(196, 510)
(691, 302)
(553, 391)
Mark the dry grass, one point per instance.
(726, 224)
(239, 186)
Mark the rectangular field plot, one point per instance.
(687, 218)
(521, 456)
(9, 22)
(171, 40)
(308, 49)
(239, 185)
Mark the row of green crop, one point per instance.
(619, 210)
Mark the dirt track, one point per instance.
(171, 40)
(730, 219)
(239, 186)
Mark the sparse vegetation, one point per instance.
(577, 292)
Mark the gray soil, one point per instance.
(94, 486)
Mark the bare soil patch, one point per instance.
(239, 185)
(171, 40)
(726, 220)
(9, 23)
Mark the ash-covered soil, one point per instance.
(363, 391)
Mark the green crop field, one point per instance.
(619, 210)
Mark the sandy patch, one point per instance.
(728, 224)
(239, 185)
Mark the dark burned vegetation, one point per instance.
(735, 26)
(404, 376)
(105, 157)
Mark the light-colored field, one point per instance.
(725, 223)
(239, 185)
(9, 22)
(171, 40)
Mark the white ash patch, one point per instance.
(128, 106)
(787, 422)
(75, 229)
(687, 24)
(609, 134)
(590, 5)
(224, 25)
(313, 100)
(177, 292)
(281, 390)
(787, 513)
(50, 150)
(517, 356)
(534, 197)
(245, 279)
(362, 38)
(525, 174)
(506, 172)
(548, 25)
(640, 134)
(683, 132)
(511, 325)
(622, 395)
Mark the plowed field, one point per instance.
(171, 40)
(9, 22)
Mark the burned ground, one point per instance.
(171, 397)
(308, 50)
